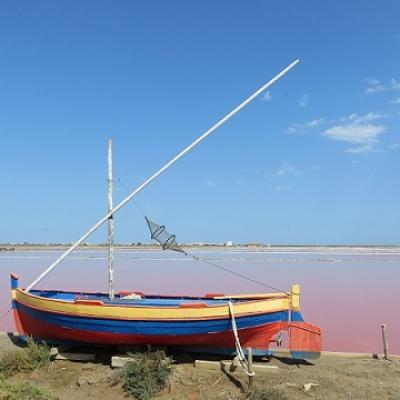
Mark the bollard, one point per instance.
(385, 342)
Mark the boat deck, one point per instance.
(145, 300)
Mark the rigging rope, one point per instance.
(196, 258)
(168, 242)
(5, 314)
(244, 362)
(133, 200)
(248, 278)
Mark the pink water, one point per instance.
(348, 294)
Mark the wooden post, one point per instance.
(385, 342)
(250, 363)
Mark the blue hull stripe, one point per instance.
(152, 327)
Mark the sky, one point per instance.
(315, 160)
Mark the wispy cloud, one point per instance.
(209, 184)
(396, 101)
(282, 188)
(362, 119)
(365, 148)
(394, 146)
(240, 182)
(376, 86)
(394, 84)
(302, 128)
(358, 129)
(304, 99)
(287, 169)
(266, 96)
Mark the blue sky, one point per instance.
(315, 160)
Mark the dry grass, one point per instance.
(34, 356)
(264, 392)
(22, 391)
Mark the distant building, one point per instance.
(228, 243)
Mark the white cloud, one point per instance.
(353, 128)
(314, 123)
(394, 146)
(282, 188)
(302, 128)
(358, 129)
(355, 133)
(287, 169)
(267, 96)
(396, 101)
(304, 99)
(376, 86)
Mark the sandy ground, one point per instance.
(333, 378)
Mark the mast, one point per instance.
(160, 171)
(110, 224)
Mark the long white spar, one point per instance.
(159, 172)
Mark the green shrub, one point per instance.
(33, 356)
(263, 392)
(22, 391)
(146, 374)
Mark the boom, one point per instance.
(160, 171)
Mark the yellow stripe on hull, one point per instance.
(137, 312)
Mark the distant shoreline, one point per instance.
(253, 247)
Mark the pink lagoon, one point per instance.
(348, 292)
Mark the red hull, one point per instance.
(255, 337)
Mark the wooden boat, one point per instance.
(192, 323)
(213, 323)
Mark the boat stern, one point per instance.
(304, 338)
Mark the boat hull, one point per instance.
(202, 323)
(257, 337)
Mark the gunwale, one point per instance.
(146, 312)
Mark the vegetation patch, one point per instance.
(33, 356)
(146, 374)
(263, 392)
(22, 391)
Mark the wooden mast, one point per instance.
(110, 224)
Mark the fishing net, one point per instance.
(162, 236)
(168, 242)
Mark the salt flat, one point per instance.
(349, 292)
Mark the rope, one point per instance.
(244, 362)
(5, 314)
(196, 258)
(248, 278)
(134, 201)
